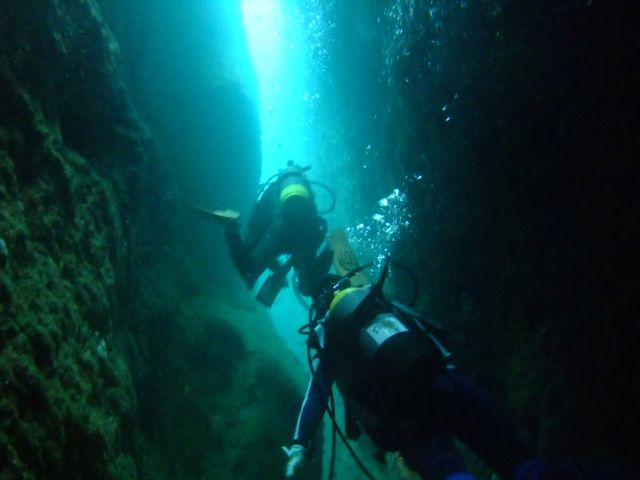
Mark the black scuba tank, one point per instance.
(376, 352)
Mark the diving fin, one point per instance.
(273, 284)
(344, 258)
(222, 217)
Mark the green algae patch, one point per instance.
(67, 405)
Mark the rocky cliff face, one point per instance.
(517, 120)
(112, 363)
(71, 145)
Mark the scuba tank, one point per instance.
(287, 192)
(294, 190)
(384, 358)
(288, 187)
(293, 183)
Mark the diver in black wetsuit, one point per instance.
(284, 221)
(400, 385)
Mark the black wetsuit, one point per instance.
(273, 231)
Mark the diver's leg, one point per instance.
(310, 265)
(538, 469)
(471, 415)
(268, 248)
(311, 270)
(241, 256)
(436, 457)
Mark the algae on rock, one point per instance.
(110, 366)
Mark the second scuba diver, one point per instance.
(283, 221)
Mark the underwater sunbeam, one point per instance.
(274, 44)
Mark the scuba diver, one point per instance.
(399, 384)
(284, 221)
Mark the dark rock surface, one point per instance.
(68, 401)
(519, 119)
(113, 364)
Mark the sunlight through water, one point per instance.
(276, 45)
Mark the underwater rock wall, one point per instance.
(188, 69)
(70, 146)
(220, 392)
(518, 120)
(346, 51)
(120, 356)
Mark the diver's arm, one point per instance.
(311, 412)
(313, 405)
